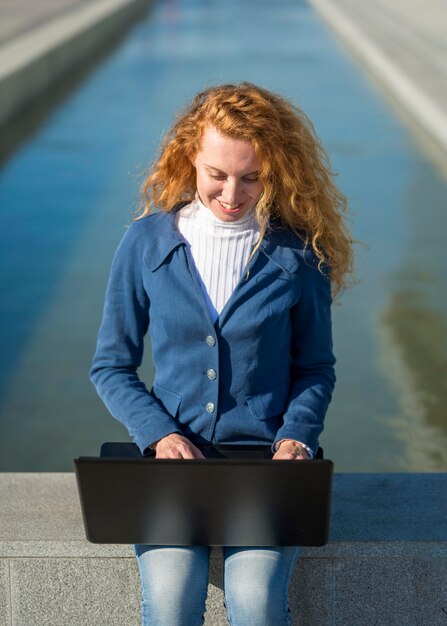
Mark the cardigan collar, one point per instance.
(279, 245)
(167, 239)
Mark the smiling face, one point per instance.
(227, 175)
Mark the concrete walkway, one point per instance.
(403, 44)
(23, 16)
(41, 40)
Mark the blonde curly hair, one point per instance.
(298, 187)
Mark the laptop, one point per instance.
(236, 496)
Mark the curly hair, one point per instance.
(298, 187)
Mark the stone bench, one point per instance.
(385, 564)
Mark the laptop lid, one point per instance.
(221, 500)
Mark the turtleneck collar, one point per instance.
(204, 214)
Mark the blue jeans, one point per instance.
(174, 582)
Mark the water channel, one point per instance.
(67, 192)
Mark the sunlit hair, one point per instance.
(298, 187)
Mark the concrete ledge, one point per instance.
(386, 562)
(30, 63)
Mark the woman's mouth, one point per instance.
(230, 208)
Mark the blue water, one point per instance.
(68, 191)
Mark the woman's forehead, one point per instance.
(219, 151)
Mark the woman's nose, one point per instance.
(231, 190)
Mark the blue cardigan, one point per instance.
(264, 371)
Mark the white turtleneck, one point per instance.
(220, 250)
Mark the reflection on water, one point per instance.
(413, 326)
(414, 354)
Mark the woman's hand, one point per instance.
(290, 450)
(175, 446)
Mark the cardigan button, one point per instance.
(210, 341)
(210, 407)
(212, 375)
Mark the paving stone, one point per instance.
(5, 605)
(107, 592)
(216, 614)
(374, 592)
(430, 580)
(311, 593)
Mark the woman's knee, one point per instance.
(174, 583)
(256, 585)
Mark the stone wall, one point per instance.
(385, 563)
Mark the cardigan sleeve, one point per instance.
(120, 346)
(311, 358)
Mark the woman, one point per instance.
(233, 278)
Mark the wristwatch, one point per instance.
(308, 452)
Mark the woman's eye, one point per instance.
(246, 180)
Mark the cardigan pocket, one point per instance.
(170, 399)
(270, 403)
